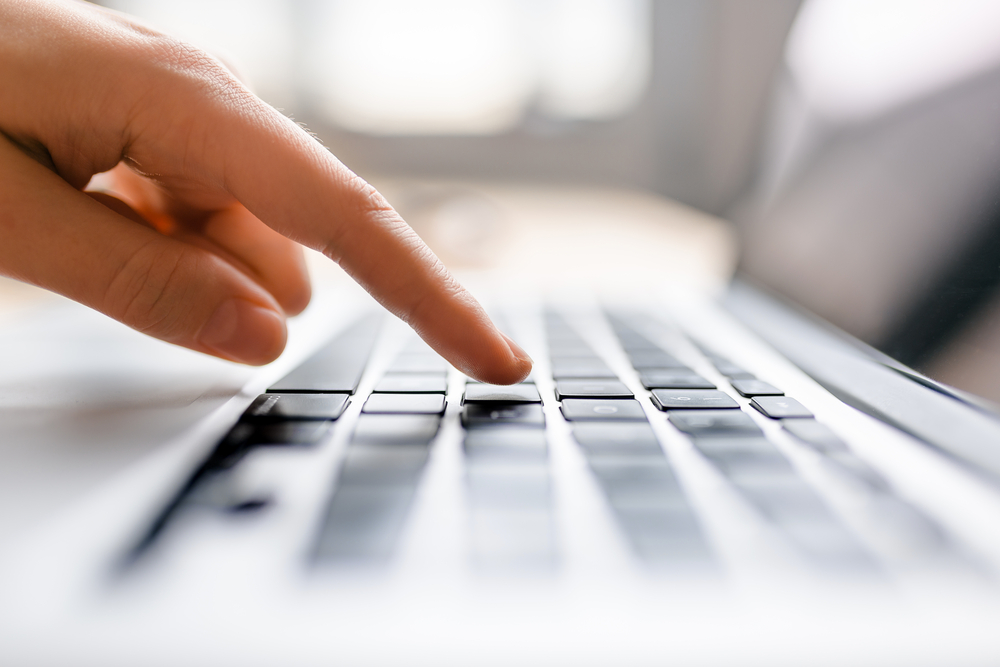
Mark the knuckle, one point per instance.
(145, 289)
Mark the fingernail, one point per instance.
(517, 349)
(243, 331)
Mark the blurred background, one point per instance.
(853, 144)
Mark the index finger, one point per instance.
(293, 184)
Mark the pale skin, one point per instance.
(191, 230)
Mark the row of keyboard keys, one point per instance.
(733, 442)
(626, 459)
(384, 460)
(507, 477)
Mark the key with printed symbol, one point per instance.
(780, 407)
(585, 409)
(478, 415)
(689, 399)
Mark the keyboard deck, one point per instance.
(738, 427)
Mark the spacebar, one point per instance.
(337, 366)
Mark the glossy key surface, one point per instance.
(680, 399)
(493, 393)
(591, 389)
(296, 406)
(780, 407)
(486, 415)
(413, 404)
(415, 383)
(585, 409)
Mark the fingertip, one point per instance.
(246, 332)
(511, 366)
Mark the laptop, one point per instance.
(698, 470)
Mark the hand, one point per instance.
(203, 195)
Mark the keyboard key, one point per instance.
(581, 367)
(732, 371)
(750, 388)
(679, 378)
(412, 384)
(413, 404)
(280, 434)
(616, 439)
(506, 444)
(643, 359)
(479, 415)
(296, 406)
(780, 407)
(675, 399)
(494, 393)
(396, 429)
(591, 389)
(584, 409)
(816, 435)
(711, 423)
(419, 363)
(337, 366)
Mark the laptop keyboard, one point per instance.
(506, 464)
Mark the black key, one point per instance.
(644, 359)
(296, 406)
(396, 429)
(337, 366)
(711, 423)
(732, 371)
(419, 363)
(780, 407)
(616, 439)
(750, 388)
(591, 389)
(689, 399)
(494, 393)
(586, 409)
(503, 444)
(527, 380)
(581, 367)
(817, 435)
(478, 415)
(404, 404)
(279, 434)
(412, 384)
(673, 378)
